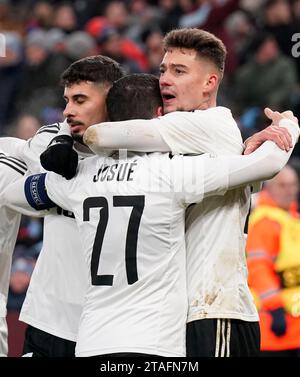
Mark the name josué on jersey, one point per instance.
(120, 172)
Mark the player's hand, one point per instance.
(278, 325)
(276, 116)
(60, 156)
(279, 135)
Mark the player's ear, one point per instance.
(159, 112)
(211, 81)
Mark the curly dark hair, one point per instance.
(98, 69)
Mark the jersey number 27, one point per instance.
(137, 202)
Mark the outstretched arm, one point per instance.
(215, 175)
(136, 135)
(14, 197)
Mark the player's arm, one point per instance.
(177, 132)
(214, 175)
(12, 146)
(16, 197)
(136, 135)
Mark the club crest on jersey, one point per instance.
(122, 171)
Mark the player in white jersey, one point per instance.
(55, 296)
(220, 304)
(136, 302)
(11, 169)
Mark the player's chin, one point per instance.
(77, 136)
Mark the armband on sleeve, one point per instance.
(36, 193)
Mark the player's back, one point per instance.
(132, 229)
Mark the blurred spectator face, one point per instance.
(26, 127)
(154, 41)
(267, 52)
(251, 6)
(284, 187)
(184, 80)
(65, 18)
(43, 13)
(296, 9)
(112, 46)
(154, 49)
(36, 47)
(116, 14)
(137, 6)
(85, 106)
(35, 55)
(4, 9)
(187, 5)
(278, 13)
(238, 25)
(167, 5)
(80, 45)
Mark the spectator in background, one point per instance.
(110, 44)
(142, 14)
(10, 73)
(278, 21)
(42, 15)
(153, 41)
(65, 18)
(25, 127)
(274, 261)
(268, 78)
(28, 247)
(171, 13)
(100, 28)
(78, 45)
(38, 87)
(241, 27)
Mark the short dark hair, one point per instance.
(207, 45)
(98, 69)
(135, 96)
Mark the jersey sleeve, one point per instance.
(37, 144)
(15, 197)
(200, 132)
(197, 177)
(179, 132)
(208, 175)
(58, 189)
(12, 146)
(43, 191)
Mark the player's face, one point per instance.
(184, 81)
(85, 106)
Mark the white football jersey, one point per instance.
(215, 241)
(130, 215)
(11, 169)
(56, 291)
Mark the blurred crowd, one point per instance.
(39, 39)
(43, 37)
